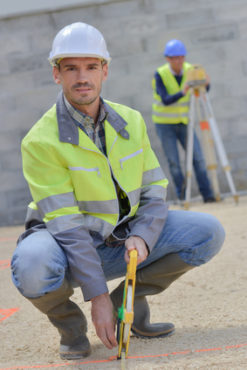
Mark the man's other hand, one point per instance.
(136, 242)
(185, 89)
(103, 319)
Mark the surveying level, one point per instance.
(196, 76)
(200, 105)
(126, 311)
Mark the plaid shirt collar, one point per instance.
(68, 130)
(82, 118)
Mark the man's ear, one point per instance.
(56, 75)
(105, 71)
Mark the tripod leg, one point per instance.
(220, 149)
(208, 146)
(189, 151)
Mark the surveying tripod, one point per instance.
(200, 104)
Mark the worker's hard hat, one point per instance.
(78, 40)
(174, 48)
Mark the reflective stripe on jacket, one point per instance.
(177, 112)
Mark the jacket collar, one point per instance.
(69, 132)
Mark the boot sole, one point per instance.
(143, 336)
(75, 356)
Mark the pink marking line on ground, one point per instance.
(6, 312)
(4, 264)
(113, 358)
(8, 239)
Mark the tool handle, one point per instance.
(126, 311)
(131, 268)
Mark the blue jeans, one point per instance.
(39, 264)
(169, 135)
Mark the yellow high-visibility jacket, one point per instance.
(177, 112)
(74, 195)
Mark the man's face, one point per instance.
(176, 63)
(81, 79)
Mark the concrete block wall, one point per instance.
(136, 32)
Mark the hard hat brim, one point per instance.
(76, 55)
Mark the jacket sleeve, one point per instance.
(52, 191)
(152, 211)
(162, 92)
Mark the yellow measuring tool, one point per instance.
(126, 311)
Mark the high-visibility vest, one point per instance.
(73, 185)
(177, 112)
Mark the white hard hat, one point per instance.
(78, 40)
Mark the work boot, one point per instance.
(151, 280)
(69, 320)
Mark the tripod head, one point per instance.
(196, 77)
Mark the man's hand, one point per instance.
(207, 80)
(135, 242)
(185, 89)
(103, 319)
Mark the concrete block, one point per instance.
(8, 141)
(225, 106)
(244, 66)
(24, 80)
(17, 216)
(126, 47)
(207, 56)
(168, 6)
(13, 41)
(14, 216)
(12, 83)
(20, 198)
(30, 24)
(10, 160)
(14, 205)
(233, 11)
(119, 10)
(12, 180)
(218, 33)
(243, 30)
(87, 14)
(20, 121)
(19, 62)
(39, 99)
(7, 105)
(195, 17)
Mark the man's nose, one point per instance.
(82, 75)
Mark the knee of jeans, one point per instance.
(218, 235)
(35, 271)
(214, 239)
(213, 236)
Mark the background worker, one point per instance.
(98, 192)
(170, 114)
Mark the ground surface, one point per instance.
(207, 305)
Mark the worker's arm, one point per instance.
(152, 211)
(51, 188)
(165, 97)
(103, 319)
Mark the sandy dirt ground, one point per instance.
(207, 305)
